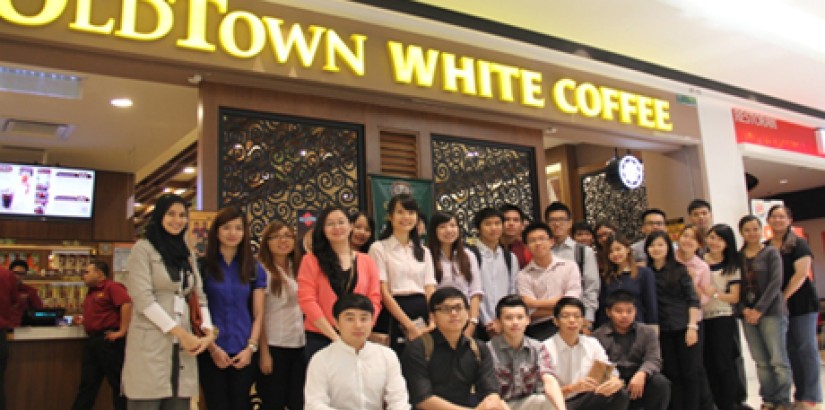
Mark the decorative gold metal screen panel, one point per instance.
(623, 208)
(273, 166)
(471, 175)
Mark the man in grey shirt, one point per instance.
(558, 217)
(653, 220)
(634, 348)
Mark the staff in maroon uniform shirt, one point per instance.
(107, 311)
(27, 296)
(8, 299)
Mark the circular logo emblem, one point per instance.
(631, 172)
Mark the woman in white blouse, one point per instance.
(407, 275)
(454, 265)
(281, 380)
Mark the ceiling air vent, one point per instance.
(36, 128)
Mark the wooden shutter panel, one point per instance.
(399, 154)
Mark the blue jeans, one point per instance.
(804, 355)
(766, 341)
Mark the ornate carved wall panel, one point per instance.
(471, 175)
(272, 166)
(621, 207)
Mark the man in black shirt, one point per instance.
(442, 367)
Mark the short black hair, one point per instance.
(510, 207)
(619, 296)
(534, 227)
(698, 203)
(556, 206)
(101, 266)
(19, 263)
(441, 294)
(352, 301)
(582, 226)
(485, 213)
(654, 211)
(567, 301)
(510, 301)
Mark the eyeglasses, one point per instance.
(282, 237)
(450, 309)
(557, 220)
(570, 316)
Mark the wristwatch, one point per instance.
(253, 346)
(474, 320)
(716, 295)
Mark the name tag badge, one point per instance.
(179, 305)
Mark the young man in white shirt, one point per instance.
(574, 355)
(545, 280)
(498, 268)
(352, 373)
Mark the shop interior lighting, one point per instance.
(121, 102)
(190, 170)
(180, 191)
(42, 83)
(167, 190)
(783, 181)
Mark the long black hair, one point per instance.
(407, 203)
(328, 259)
(172, 248)
(670, 258)
(730, 256)
(457, 253)
(213, 246)
(371, 222)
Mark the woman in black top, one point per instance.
(803, 307)
(678, 316)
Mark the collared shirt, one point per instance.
(27, 298)
(101, 308)
(8, 298)
(561, 278)
(450, 373)
(229, 304)
(574, 362)
(451, 276)
(636, 350)
(341, 378)
(496, 281)
(701, 277)
(283, 319)
(399, 268)
(722, 283)
(643, 288)
(522, 253)
(519, 372)
(638, 249)
(589, 273)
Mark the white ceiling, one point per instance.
(670, 33)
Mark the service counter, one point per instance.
(44, 368)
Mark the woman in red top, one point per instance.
(332, 270)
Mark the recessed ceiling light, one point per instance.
(783, 181)
(167, 190)
(121, 102)
(190, 170)
(138, 204)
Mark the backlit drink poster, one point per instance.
(29, 190)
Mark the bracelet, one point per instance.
(694, 327)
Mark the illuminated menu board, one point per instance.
(40, 191)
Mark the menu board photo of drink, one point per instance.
(40, 191)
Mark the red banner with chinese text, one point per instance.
(758, 129)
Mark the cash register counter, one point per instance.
(44, 368)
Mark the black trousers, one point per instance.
(101, 358)
(4, 361)
(414, 306)
(656, 395)
(225, 388)
(284, 387)
(720, 364)
(315, 342)
(593, 401)
(542, 331)
(682, 365)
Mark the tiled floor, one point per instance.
(750, 370)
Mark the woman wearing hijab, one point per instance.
(160, 370)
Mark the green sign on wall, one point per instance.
(385, 187)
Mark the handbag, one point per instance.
(195, 317)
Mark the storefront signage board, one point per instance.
(766, 131)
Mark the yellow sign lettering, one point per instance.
(408, 63)
(531, 92)
(560, 90)
(196, 29)
(453, 73)
(337, 47)
(506, 74)
(257, 34)
(83, 20)
(128, 20)
(661, 115)
(294, 40)
(52, 9)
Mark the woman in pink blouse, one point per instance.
(332, 270)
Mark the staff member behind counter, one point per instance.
(107, 311)
(28, 298)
